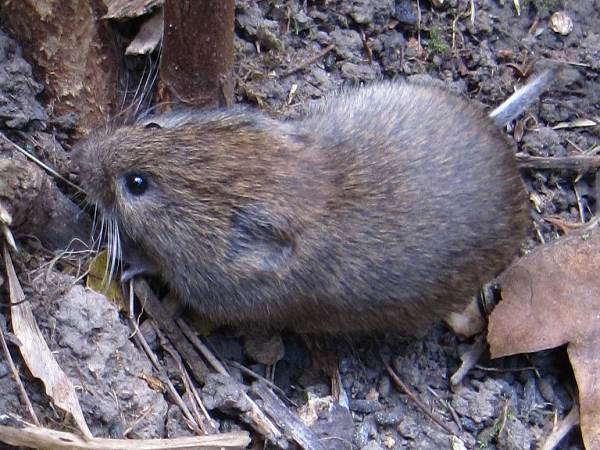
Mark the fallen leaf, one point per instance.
(96, 280)
(149, 36)
(550, 298)
(37, 355)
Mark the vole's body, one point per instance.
(385, 208)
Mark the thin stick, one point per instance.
(415, 399)
(173, 394)
(17, 377)
(202, 348)
(256, 376)
(187, 382)
(566, 425)
(41, 163)
(308, 62)
(577, 162)
(31, 436)
(419, 23)
(255, 416)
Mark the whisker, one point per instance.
(98, 241)
(106, 225)
(150, 80)
(94, 223)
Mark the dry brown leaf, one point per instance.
(149, 36)
(97, 280)
(37, 355)
(550, 298)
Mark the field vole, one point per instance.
(386, 207)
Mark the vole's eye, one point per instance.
(136, 183)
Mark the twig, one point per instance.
(419, 23)
(570, 63)
(472, 11)
(145, 413)
(164, 319)
(579, 204)
(415, 399)
(566, 425)
(16, 376)
(202, 348)
(577, 162)
(40, 163)
(187, 382)
(8, 237)
(256, 376)
(31, 436)
(308, 62)
(287, 420)
(172, 392)
(256, 417)
(446, 404)
(503, 370)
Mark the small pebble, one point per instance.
(561, 23)
(364, 406)
(361, 434)
(389, 418)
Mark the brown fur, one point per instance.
(385, 208)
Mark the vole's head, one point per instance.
(205, 186)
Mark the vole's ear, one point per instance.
(258, 239)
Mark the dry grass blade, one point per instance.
(5, 221)
(517, 4)
(16, 376)
(563, 428)
(37, 355)
(40, 163)
(37, 437)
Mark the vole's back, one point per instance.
(427, 204)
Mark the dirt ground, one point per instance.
(510, 403)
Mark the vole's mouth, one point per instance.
(123, 254)
(106, 233)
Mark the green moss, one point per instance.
(437, 43)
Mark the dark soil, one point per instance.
(501, 404)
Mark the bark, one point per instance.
(197, 57)
(73, 53)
